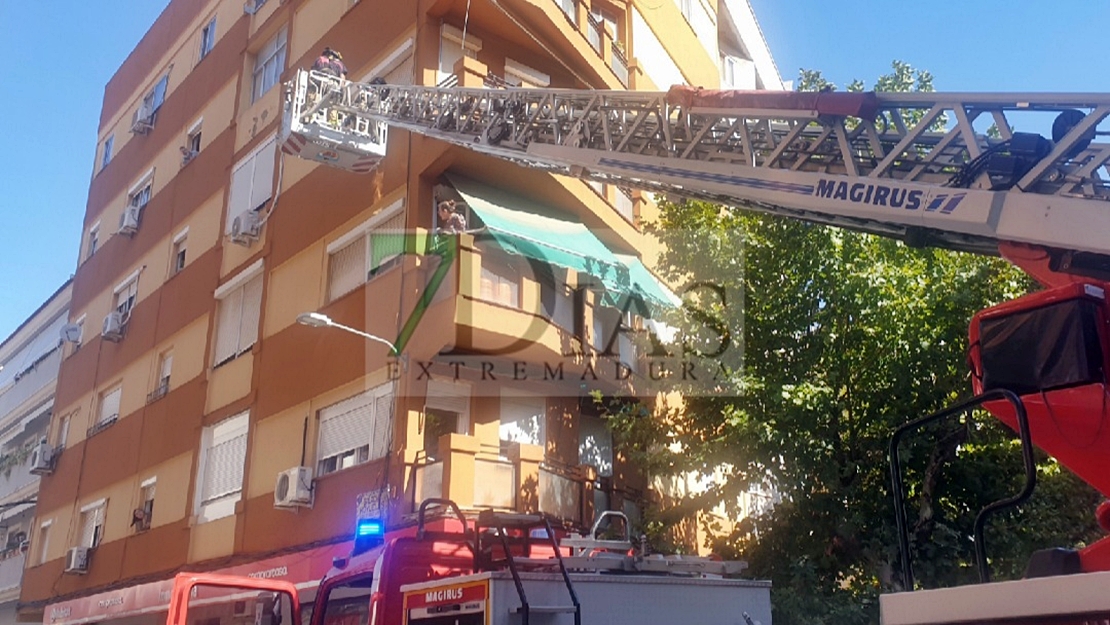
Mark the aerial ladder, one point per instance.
(919, 167)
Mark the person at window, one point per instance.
(330, 62)
(450, 220)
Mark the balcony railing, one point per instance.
(619, 65)
(427, 482)
(495, 484)
(560, 493)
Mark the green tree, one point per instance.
(845, 336)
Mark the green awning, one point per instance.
(526, 228)
(646, 284)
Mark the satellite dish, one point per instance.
(71, 332)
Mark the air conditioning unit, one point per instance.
(143, 120)
(129, 220)
(293, 488)
(246, 227)
(113, 326)
(77, 560)
(42, 459)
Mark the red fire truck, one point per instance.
(913, 166)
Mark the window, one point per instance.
(595, 444)
(147, 114)
(191, 149)
(737, 73)
(446, 411)
(560, 303)
(452, 48)
(220, 469)
(93, 240)
(520, 75)
(125, 296)
(179, 251)
(268, 65)
(375, 246)
(109, 406)
(499, 283)
(162, 381)
(355, 430)
(63, 432)
(106, 151)
(396, 68)
(208, 37)
(252, 181)
(240, 303)
(44, 541)
(523, 418)
(92, 524)
(141, 516)
(139, 195)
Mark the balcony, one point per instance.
(30, 381)
(11, 570)
(476, 477)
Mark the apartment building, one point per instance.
(202, 427)
(29, 361)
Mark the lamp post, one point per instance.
(320, 320)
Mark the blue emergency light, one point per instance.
(370, 527)
(369, 533)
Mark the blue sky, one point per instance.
(61, 54)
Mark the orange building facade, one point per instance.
(198, 426)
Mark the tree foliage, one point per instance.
(845, 336)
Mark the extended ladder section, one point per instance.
(925, 167)
(524, 526)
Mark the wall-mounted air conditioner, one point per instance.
(245, 228)
(113, 326)
(42, 458)
(293, 488)
(129, 220)
(143, 120)
(77, 560)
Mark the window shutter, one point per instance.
(91, 519)
(383, 425)
(227, 325)
(347, 425)
(252, 310)
(109, 405)
(347, 269)
(402, 74)
(224, 459)
(239, 197)
(262, 178)
(167, 367)
(387, 241)
(448, 396)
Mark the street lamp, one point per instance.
(320, 320)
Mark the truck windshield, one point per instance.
(347, 604)
(212, 605)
